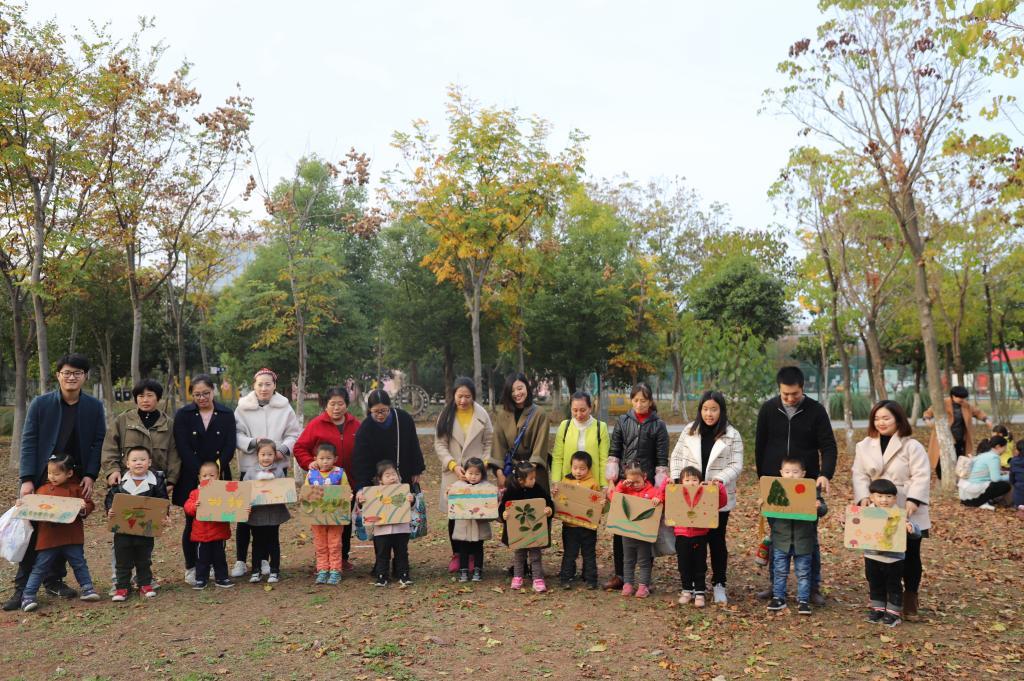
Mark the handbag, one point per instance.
(511, 453)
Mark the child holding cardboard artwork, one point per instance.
(793, 539)
(265, 520)
(209, 536)
(692, 547)
(326, 538)
(54, 540)
(577, 539)
(471, 533)
(884, 569)
(637, 554)
(132, 552)
(522, 485)
(390, 541)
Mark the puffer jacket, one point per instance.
(645, 442)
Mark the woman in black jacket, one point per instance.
(389, 434)
(640, 435)
(204, 430)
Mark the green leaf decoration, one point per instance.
(644, 516)
(625, 506)
(536, 527)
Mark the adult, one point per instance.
(335, 426)
(264, 413)
(520, 429)
(62, 421)
(890, 452)
(581, 433)
(986, 482)
(640, 435)
(791, 424)
(463, 432)
(389, 434)
(715, 448)
(960, 416)
(204, 430)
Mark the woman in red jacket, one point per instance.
(338, 427)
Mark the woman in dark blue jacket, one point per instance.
(204, 430)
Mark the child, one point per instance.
(884, 569)
(209, 535)
(390, 541)
(793, 539)
(637, 554)
(326, 538)
(132, 552)
(471, 534)
(265, 520)
(577, 539)
(60, 540)
(1017, 479)
(692, 547)
(1004, 432)
(522, 484)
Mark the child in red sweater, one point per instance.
(209, 536)
(637, 554)
(692, 547)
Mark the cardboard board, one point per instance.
(634, 517)
(224, 501)
(279, 491)
(137, 515)
(386, 505)
(579, 505)
(46, 508)
(692, 505)
(326, 504)
(793, 498)
(878, 529)
(527, 524)
(472, 502)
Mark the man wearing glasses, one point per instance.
(63, 421)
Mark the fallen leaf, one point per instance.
(998, 626)
(491, 642)
(597, 648)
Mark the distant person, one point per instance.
(1017, 478)
(985, 481)
(960, 416)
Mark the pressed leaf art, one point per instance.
(793, 498)
(51, 509)
(692, 505)
(138, 515)
(878, 529)
(634, 517)
(326, 504)
(386, 505)
(472, 502)
(578, 505)
(527, 524)
(224, 501)
(277, 491)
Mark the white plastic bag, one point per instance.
(15, 535)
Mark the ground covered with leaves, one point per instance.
(971, 624)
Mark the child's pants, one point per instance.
(691, 555)
(780, 573)
(327, 541)
(188, 547)
(242, 533)
(577, 540)
(637, 557)
(519, 558)
(470, 549)
(885, 585)
(386, 545)
(75, 556)
(211, 554)
(266, 546)
(131, 552)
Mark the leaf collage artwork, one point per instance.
(877, 529)
(527, 524)
(386, 505)
(792, 498)
(692, 505)
(224, 501)
(138, 515)
(578, 505)
(634, 517)
(472, 502)
(326, 504)
(51, 509)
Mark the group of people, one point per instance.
(66, 445)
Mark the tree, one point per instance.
(777, 494)
(738, 293)
(494, 179)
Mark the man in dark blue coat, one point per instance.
(63, 421)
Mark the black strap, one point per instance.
(566, 432)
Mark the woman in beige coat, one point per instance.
(463, 432)
(890, 452)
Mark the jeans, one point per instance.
(637, 558)
(211, 554)
(815, 565)
(387, 545)
(692, 558)
(577, 540)
(884, 587)
(802, 567)
(471, 549)
(58, 567)
(131, 552)
(266, 546)
(74, 554)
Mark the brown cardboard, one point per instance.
(578, 505)
(634, 517)
(386, 505)
(224, 501)
(527, 524)
(138, 515)
(277, 491)
(799, 495)
(326, 504)
(878, 529)
(692, 505)
(472, 502)
(50, 509)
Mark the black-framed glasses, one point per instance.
(78, 373)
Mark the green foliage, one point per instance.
(860, 403)
(738, 293)
(777, 494)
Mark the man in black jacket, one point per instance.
(793, 424)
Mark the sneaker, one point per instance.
(120, 595)
(239, 569)
(685, 597)
(891, 620)
(803, 608)
(987, 507)
(274, 578)
(190, 576)
(347, 565)
(517, 584)
(14, 602)
(405, 580)
(223, 583)
(333, 577)
(29, 604)
(199, 586)
(627, 589)
(147, 591)
(463, 576)
(89, 594)
(720, 596)
(698, 600)
(539, 586)
(765, 595)
(817, 598)
(61, 590)
(776, 604)
(478, 575)
(255, 578)
(567, 586)
(321, 577)
(382, 581)
(112, 590)
(642, 591)
(875, 616)
(265, 567)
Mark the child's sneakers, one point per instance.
(517, 584)
(698, 600)
(224, 583)
(382, 580)
(274, 578)
(875, 616)
(803, 608)
(463, 576)
(333, 577)
(265, 567)
(199, 586)
(89, 594)
(776, 604)
(147, 591)
(478, 574)
(29, 604)
(321, 577)
(685, 597)
(539, 586)
(119, 595)
(255, 578)
(642, 591)
(239, 569)
(720, 597)
(627, 589)
(404, 581)
(190, 576)
(891, 620)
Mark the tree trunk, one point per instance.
(915, 412)
(823, 376)
(870, 362)
(300, 381)
(107, 370)
(38, 310)
(520, 355)
(877, 366)
(989, 349)
(677, 380)
(570, 383)
(133, 290)
(947, 370)
(473, 302)
(73, 336)
(1009, 365)
(20, 374)
(449, 372)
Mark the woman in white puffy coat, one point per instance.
(715, 448)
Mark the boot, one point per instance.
(910, 604)
(14, 602)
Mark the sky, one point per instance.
(662, 89)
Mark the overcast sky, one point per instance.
(661, 88)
